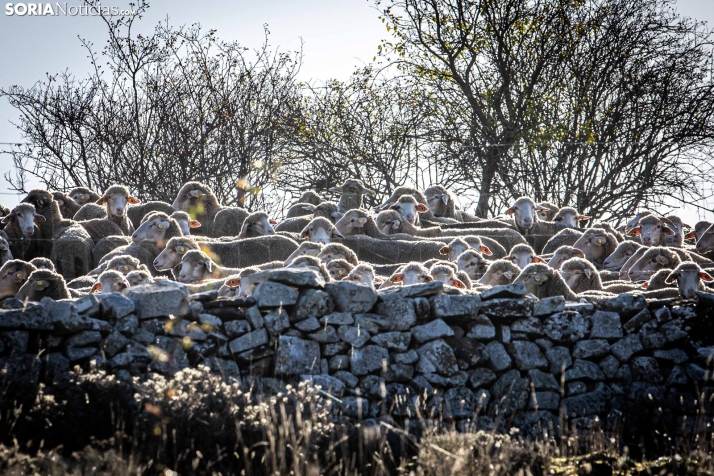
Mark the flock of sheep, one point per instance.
(65, 246)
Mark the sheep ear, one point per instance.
(671, 278)
(634, 231)
(397, 278)
(8, 218)
(39, 218)
(444, 250)
(427, 278)
(95, 288)
(371, 192)
(579, 253)
(706, 277)
(485, 250)
(336, 189)
(691, 234)
(194, 224)
(208, 266)
(122, 286)
(538, 260)
(421, 208)
(336, 215)
(540, 208)
(510, 211)
(394, 207)
(583, 217)
(272, 222)
(588, 272)
(60, 202)
(232, 282)
(458, 283)
(133, 200)
(305, 234)
(684, 225)
(667, 221)
(445, 198)
(645, 285)
(667, 230)
(101, 201)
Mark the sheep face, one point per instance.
(339, 269)
(13, 275)
(446, 275)
(195, 267)
(257, 224)
(306, 248)
(185, 222)
(352, 223)
(524, 212)
(547, 211)
(573, 275)
(83, 195)
(389, 222)
(362, 274)
(698, 230)
(619, 257)
(5, 253)
(172, 254)
(689, 277)
(24, 216)
(594, 244)
(136, 278)
(523, 255)
(437, 200)
(412, 273)
(635, 220)
(472, 263)
(652, 261)
(153, 230)
(535, 277)
(110, 282)
(706, 242)
(625, 269)
(455, 249)
(408, 208)
(116, 200)
(570, 217)
(500, 272)
(651, 231)
(320, 230)
(352, 187)
(562, 254)
(41, 283)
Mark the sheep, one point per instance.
(689, 277)
(543, 282)
(45, 205)
(107, 245)
(698, 230)
(524, 211)
(359, 222)
(200, 202)
(117, 199)
(635, 220)
(597, 245)
(447, 275)
(564, 253)
(608, 228)
(327, 210)
(300, 210)
(82, 282)
(442, 204)
(580, 275)
(411, 273)
(656, 282)
(197, 266)
(311, 197)
(523, 255)
(500, 272)
(494, 238)
(335, 251)
(320, 230)
(409, 208)
(139, 276)
(570, 217)
(43, 283)
(90, 211)
(362, 274)
(547, 211)
(100, 228)
(472, 263)
(352, 192)
(625, 269)
(375, 251)
(421, 198)
(22, 232)
(458, 245)
(652, 231)
(305, 248)
(565, 237)
(121, 263)
(43, 263)
(228, 222)
(185, 222)
(619, 257)
(654, 259)
(5, 253)
(678, 227)
(390, 222)
(705, 242)
(257, 224)
(238, 285)
(138, 212)
(311, 262)
(110, 281)
(83, 195)
(13, 274)
(339, 269)
(68, 207)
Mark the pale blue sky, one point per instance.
(338, 35)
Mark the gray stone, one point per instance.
(297, 356)
(559, 358)
(481, 377)
(587, 349)
(399, 312)
(624, 304)
(592, 403)
(705, 353)
(566, 327)
(326, 335)
(626, 348)
(312, 303)
(544, 401)
(504, 334)
(427, 289)
(459, 379)
(506, 310)
(339, 362)
(399, 373)
(437, 357)
(225, 367)
(673, 331)
(651, 337)
(276, 321)
(499, 360)
(34, 318)
(446, 306)
(516, 290)
(609, 366)
(113, 344)
(543, 380)
(143, 336)
(697, 373)
(338, 319)
(432, 330)
(467, 350)
(308, 325)
(355, 407)
(87, 305)
(249, 341)
(544, 344)
(575, 388)
(236, 328)
(328, 384)
(527, 355)
(368, 359)
(78, 353)
(161, 298)
(548, 306)
(605, 325)
(685, 312)
(646, 369)
(83, 339)
(483, 330)
(511, 391)
(57, 368)
(531, 326)
(127, 325)
(372, 322)
(678, 376)
(16, 341)
(255, 317)
(677, 356)
(115, 305)
(663, 315)
(398, 341)
(459, 402)
(624, 374)
(584, 370)
(354, 336)
(347, 378)
(351, 297)
(336, 348)
(644, 391)
(637, 321)
(373, 386)
(211, 323)
(271, 294)
(409, 357)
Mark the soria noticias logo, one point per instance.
(62, 9)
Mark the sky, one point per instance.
(337, 36)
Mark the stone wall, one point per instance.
(417, 352)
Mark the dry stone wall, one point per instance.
(417, 353)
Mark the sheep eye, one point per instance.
(18, 275)
(161, 226)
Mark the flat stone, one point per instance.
(673, 331)
(527, 355)
(115, 305)
(248, 341)
(515, 290)
(548, 306)
(543, 380)
(326, 335)
(559, 358)
(210, 323)
(427, 289)
(446, 306)
(161, 298)
(587, 349)
(544, 401)
(336, 348)
(78, 353)
(328, 384)
(531, 326)
(33, 318)
(368, 359)
(57, 368)
(584, 370)
(308, 325)
(624, 304)
(399, 312)
(16, 341)
(459, 402)
(651, 337)
(437, 357)
(372, 322)
(605, 325)
(271, 294)
(499, 360)
(255, 317)
(338, 319)
(506, 310)
(408, 357)
(677, 356)
(303, 278)
(432, 330)
(276, 321)
(609, 366)
(637, 321)
(575, 388)
(511, 391)
(566, 327)
(468, 350)
(338, 362)
(592, 403)
(236, 328)
(626, 347)
(224, 367)
(351, 297)
(662, 315)
(398, 373)
(113, 344)
(348, 378)
(481, 377)
(296, 356)
(483, 330)
(646, 369)
(87, 305)
(312, 303)
(398, 341)
(354, 336)
(678, 376)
